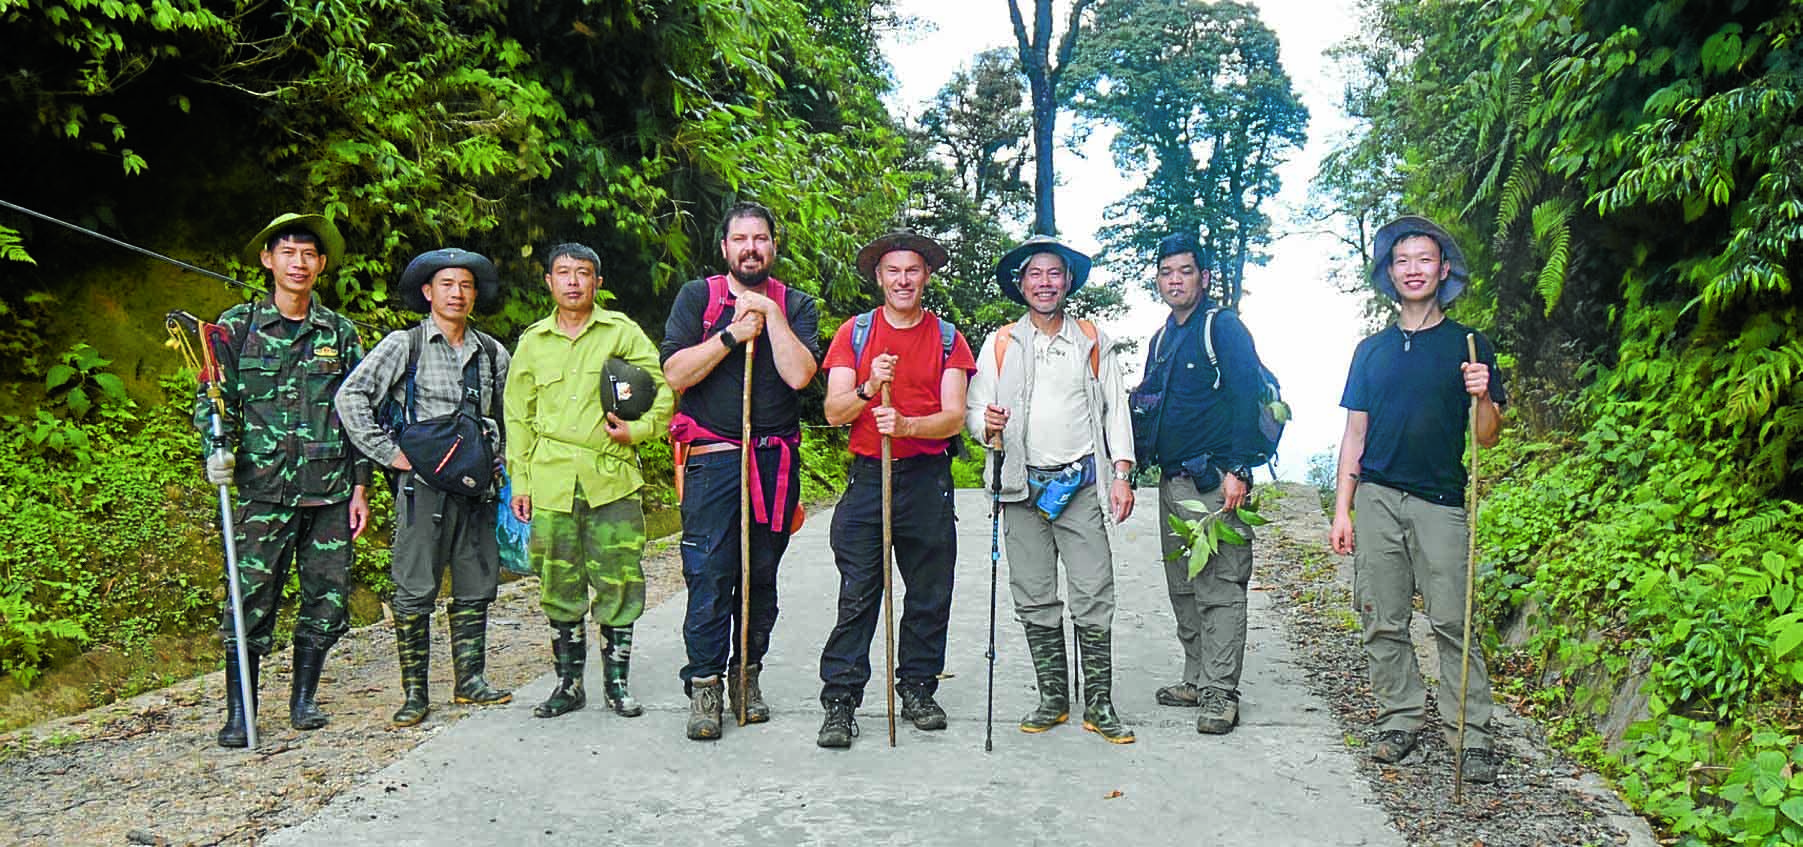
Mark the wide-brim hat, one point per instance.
(424, 266)
(1008, 270)
(329, 239)
(901, 239)
(1458, 274)
(627, 390)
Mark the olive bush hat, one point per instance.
(1008, 270)
(627, 390)
(329, 239)
(901, 239)
(1387, 236)
(421, 270)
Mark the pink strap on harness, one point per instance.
(684, 429)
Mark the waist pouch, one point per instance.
(1052, 488)
(1202, 470)
(450, 453)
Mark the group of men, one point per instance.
(309, 416)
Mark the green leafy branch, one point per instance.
(1204, 534)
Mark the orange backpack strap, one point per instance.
(1005, 334)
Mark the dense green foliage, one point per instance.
(1205, 111)
(1626, 178)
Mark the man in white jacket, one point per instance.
(1049, 388)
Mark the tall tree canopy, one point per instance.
(1044, 68)
(1206, 113)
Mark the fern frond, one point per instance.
(1523, 181)
(1552, 233)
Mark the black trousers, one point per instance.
(926, 550)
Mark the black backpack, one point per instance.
(1146, 402)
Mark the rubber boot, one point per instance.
(1051, 666)
(570, 650)
(616, 662)
(236, 731)
(413, 643)
(303, 713)
(469, 655)
(756, 710)
(1095, 658)
(704, 708)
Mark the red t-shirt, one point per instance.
(915, 391)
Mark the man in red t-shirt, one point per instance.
(926, 368)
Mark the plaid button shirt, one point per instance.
(438, 386)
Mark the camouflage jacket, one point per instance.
(279, 416)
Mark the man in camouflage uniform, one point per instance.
(300, 482)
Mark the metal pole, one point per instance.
(745, 460)
(888, 575)
(995, 557)
(233, 590)
(1458, 753)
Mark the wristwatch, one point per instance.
(1123, 477)
(727, 338)
(862, 394)
(1244, 473)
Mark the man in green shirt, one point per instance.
(576, 472)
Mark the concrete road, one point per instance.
(502, 777)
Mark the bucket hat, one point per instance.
(329, 240)
(900, 239)
(627, 390)
(421, 270)
(1456, 277)
(1008, 270)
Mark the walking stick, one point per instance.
(995, 556)
(210, 374)
(745, 460)
(1458, 760)
(888, 575)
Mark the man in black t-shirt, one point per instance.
(704, 358)
(1406, 406)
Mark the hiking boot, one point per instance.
(1182, 695)
(704, 708)
(570, 652)
(1220, 711)
(756, 711)
(1095, 660)
(616, 660)
(303, 713)
(1392, 746)
(236, 731)
(469, 655)
(1051, 667)
(413, 644)
(1480, 765)
(918, 706)
(840, 726)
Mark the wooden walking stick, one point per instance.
(888, 576)
(745, 460)
(1458, 753)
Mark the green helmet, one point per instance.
(627, 390)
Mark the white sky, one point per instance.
(1305, 329)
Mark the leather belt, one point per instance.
(716, 447)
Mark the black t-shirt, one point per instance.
(714, 402)
(1200, 418)
(1412, 388)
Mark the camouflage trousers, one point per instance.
(590, 548)
(314, 539)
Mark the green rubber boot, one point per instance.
(1051, 666)
(413, 644)
(616, 663)
(1095, 657)
(469, 655)
(570, 650)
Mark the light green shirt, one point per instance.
(556, 430)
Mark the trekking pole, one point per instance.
(1458, 753)
(888, 576)
(210, 375)
(995, 557)
(745, 460)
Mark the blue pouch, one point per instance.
(511, 533)
(1052, 490)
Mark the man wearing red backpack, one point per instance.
(703, 352)
(1049, 388)
(897, 372)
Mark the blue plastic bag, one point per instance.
(511, 532)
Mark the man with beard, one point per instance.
(704, 358)
(925, 364)
(1204, 438)
(576, 472)
(439, 368)
(1049, 387)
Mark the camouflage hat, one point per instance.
(424, 266)
(1407, 225)
(901, 239)
(627, 390)
(330, 242)
(1008, 270)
